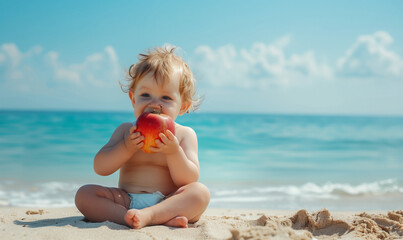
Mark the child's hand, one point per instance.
(169, 144)
(133, 140)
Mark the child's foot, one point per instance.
(181, 222)
(137, 219)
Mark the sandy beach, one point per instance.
(67, 223)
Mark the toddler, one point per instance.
(159, 187)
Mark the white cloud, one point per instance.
(14, 62)
(28, 70)
(259, 66)
(268, 78)
(99, 69)
(11, 53)
(40, 79)
(262, 65)
(370, 56)
(60, 72)
(113, 58)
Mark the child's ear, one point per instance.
(131, 96)
(185, 108)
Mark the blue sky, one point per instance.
(303, 57)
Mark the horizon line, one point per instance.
(207, 112)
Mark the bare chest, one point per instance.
(153, 159)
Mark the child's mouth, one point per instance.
(153, 109)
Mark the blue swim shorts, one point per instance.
(144, 200)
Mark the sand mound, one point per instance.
(379, 226)
(270, 228)
(361, 226)
(319, 223)
(322, 225)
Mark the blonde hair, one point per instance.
(162, 63)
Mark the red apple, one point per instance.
(150, 125)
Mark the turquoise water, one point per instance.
(247, 161)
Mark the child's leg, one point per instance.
(99, 203)
(189, 203)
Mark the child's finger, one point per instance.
(136, 135)
(164, 138)
(159, 143)
(133, 129)
(170, 135)
(138, 139)
(155, 149)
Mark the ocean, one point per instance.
(251, 161)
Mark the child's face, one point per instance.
(149, 95)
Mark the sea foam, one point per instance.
(61, 194)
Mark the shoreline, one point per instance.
(384, 194)
(216, 223)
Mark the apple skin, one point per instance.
(150, 125)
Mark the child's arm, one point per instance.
(182, 158)
(123, 143)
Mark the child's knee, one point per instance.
(83, 194)
(201, 193)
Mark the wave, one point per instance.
(46, 194)
(61, 194)
(309, 191)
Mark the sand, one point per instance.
(67, 223)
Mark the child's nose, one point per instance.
(155, 105)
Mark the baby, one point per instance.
(159, 187)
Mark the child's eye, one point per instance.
(145, 95)
(166, 98)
